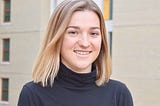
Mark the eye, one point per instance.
(72, 32)
(95, 33)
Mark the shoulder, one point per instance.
(29, 93)
(30, 85)
(26, 97)
(121, 92)
(28, 88)
(116, 84)
(32, 88)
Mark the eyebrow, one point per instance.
(76, 27)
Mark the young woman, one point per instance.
(73, 67)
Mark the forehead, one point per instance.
(84, 17)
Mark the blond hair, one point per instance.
(47, 64)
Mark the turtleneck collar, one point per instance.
(70, 79)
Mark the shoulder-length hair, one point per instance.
(47, 64)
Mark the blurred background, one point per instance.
(133, 32)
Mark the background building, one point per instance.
(136, 50)
(133, 34)
(22, 25)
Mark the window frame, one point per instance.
(5, 11)
(4, 50)
(4, 90)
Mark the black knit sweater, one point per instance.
(74, 89)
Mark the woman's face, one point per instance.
(82, 41)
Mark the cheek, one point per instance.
(97, 44)
(68, 43)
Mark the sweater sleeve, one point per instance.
(26, 97)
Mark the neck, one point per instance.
(79, 70)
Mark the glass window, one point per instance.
(6, 48)
(7, 12)
(5, 86)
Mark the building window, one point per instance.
(110, 42)
(108, 15)
(7, 11)
(6, 50)
(4, 89)
(108, 9)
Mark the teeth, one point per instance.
(82, 53)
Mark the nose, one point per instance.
(84, 41)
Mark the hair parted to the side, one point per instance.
(47, 63)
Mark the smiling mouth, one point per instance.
(82, 52)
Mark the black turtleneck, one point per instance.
(74, 89)
(72, 80)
